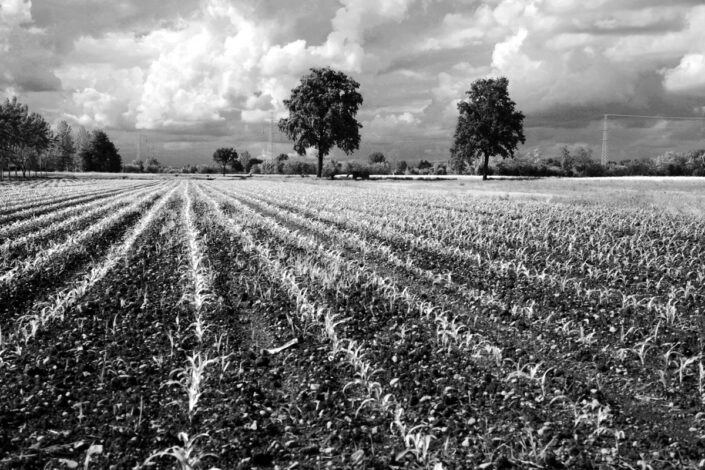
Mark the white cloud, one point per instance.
(648, 46)
(357, 16)
(688, 76)
(219, 66)
(108, 101)
(458, 30)
(382, 121)
(221, 62)
(15, 12)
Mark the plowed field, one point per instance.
(287, 324)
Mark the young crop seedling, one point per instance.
(187, 455)
(191, 379)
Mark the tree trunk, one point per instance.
(319, 171)
(485, 167)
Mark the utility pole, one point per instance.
(604, 141)
(270, 152)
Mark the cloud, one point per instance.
(105, 98)
(13, 13)
(223, 67)
(390, 125)
(688, 77)
(26, 64)
(220, 62)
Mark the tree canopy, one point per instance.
(65, 147)
(322, 112)
(488, 124)
(100, 154)
(225, 156)
(24, 136)
(376, 157)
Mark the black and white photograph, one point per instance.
(352, 234)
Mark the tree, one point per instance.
(12, 114)
(488, 123)
(280, 162)
(100, 154)
(51, 156)
(322, 113)
(376, 157)
(225, 156)
(401, 167)
(252, 164)
(152, 165)
(81, 139)
(138, 165)
(566, 159)
(244, 160)
(35, 138)
(236, 166)
(248, 161)
(24, 137)
(65, 147)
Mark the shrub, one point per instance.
(380, 169)
(376, 157)
(206, 169)
(357, 170)
(330, 169)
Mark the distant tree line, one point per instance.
(578, 161)
(150, 165)
(376, 164)
(228, 158)
(28, 143)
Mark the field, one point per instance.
(292, 323)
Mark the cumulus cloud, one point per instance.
(15, 12)
(221, 67)
(104, 97)
(219, 63)
(26, 64)
(688, 76)
(389, 125)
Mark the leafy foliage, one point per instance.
(226, 156)
(401, 167)
(65, 148)
(100, 154)
(152, 165)
(248, 161)
(322, 113)
(423, 164)
(488, 124)
(23, 135)
(376, 157)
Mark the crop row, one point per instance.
(49, 204)
(672, 312)
(679, 362)
(255, 324)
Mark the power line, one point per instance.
(605, 127)
(664, 118)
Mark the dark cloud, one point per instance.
(207, 78)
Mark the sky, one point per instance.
(187, 76)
